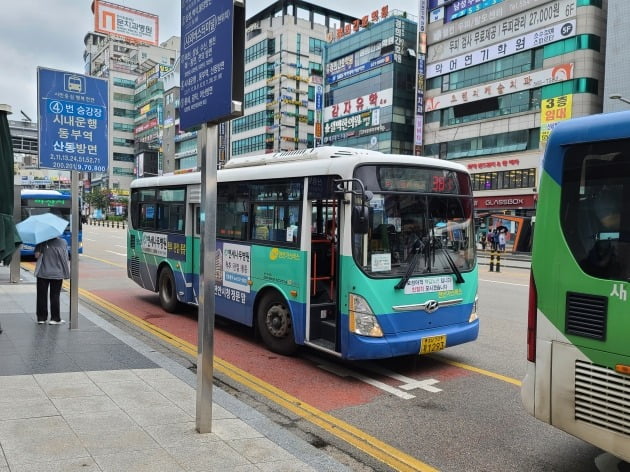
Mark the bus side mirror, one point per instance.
(360, 219)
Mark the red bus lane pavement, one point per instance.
(339, 386)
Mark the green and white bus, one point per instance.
(578, 342)
(353, 252)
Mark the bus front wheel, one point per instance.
(167, 290)
(275, 324)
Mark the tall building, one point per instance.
(370, 82)
(283, 70)
(122, 57)
(498, 79)
(617, 84)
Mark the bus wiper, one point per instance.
(417, 249)
(458, 275)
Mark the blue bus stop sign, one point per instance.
(212, 61)
(73, 121)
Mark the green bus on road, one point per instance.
(353, 252)
(578, 341)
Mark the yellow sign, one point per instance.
(552, 111)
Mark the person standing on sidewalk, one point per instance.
(51, 268)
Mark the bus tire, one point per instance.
(275, 324)
(167, 290)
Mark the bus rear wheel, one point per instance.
(167, 290)
(275, 324)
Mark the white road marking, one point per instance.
(505, 283)
(117, 253)
(408, 383)
(341, 372)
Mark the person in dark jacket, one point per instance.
(51, 268)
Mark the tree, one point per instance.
(98, 198)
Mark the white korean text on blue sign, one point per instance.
(73, 121)
(206, 61)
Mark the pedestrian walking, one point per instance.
(502, 241)
(483, 241)
(51, 269)
(490, 239)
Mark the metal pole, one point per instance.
(207, 274)
(74, 252)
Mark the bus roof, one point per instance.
(42, 193)
(326, 160)
(585, 129)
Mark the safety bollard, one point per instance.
(491, 261)
(498, 266)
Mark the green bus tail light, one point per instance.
(362, 318)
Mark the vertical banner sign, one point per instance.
(212, 61)
(552, 111)
(73, 121)
(421, 52)
(319, 105)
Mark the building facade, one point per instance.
(122, 62)
(617, 64)
(499, 78)
(284, 64)
(370, 80)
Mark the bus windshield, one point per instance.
(416, 233)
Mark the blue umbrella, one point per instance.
(39, 228)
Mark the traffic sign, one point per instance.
(73, 121)
(212, 61)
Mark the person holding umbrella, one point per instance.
(51, 268)
(52, 264)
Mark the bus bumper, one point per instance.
(405, 344)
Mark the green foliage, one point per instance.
(98, 198)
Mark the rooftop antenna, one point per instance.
(28, 118)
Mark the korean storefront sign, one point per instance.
(73, 121)
(502, 30)
(552, 111)
(379, 99)
(531, 80)
(535, 39)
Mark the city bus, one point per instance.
(578, 349)
(333, 248)
(36, 202)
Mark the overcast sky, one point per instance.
(50, 33)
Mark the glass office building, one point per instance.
(370, 77)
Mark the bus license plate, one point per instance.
(432, 344)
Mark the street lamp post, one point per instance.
(616, 96)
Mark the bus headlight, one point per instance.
(362, 318)
(473, 314)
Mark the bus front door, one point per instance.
(324, 309)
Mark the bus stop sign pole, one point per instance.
(206, 278)
(210, 95)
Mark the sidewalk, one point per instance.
(98, 399)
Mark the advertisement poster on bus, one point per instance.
(233, 271)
